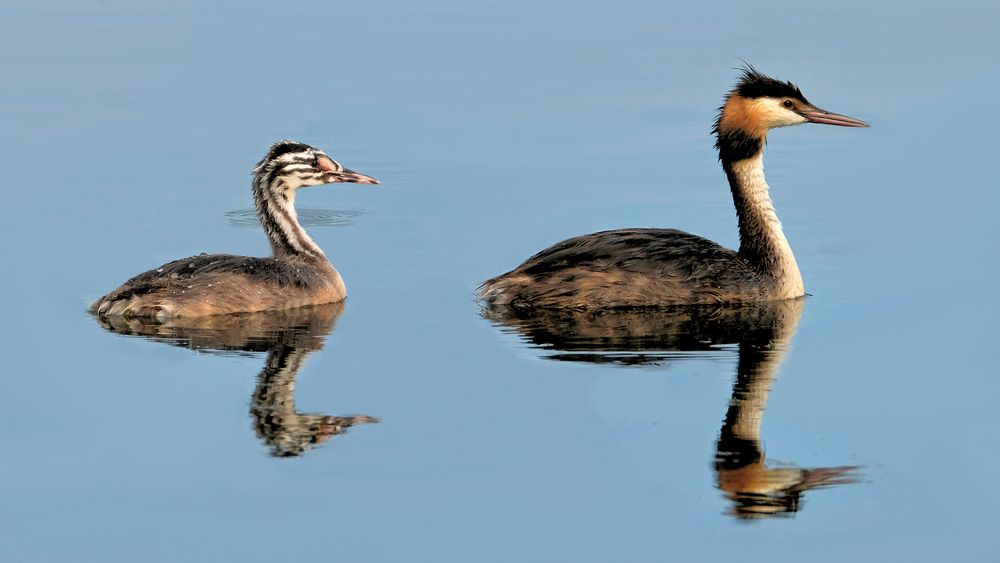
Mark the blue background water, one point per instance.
(496, 129)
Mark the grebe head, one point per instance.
(759, 103)
(299, 165)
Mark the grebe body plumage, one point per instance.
(297, 275)
(642, 268)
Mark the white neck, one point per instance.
(762, 241)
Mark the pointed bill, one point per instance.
(816, 115)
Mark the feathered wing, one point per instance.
(621, 269)
(215, 278)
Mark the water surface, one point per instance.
(864, 432)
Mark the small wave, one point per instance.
(307, 217)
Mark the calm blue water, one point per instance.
(496, 128)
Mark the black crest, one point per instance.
(284, 147)
(737, 145)
(279, 148)
(753, 84)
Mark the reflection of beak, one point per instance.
(349, 176)
(815, 115)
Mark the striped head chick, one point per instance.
(760, 103)
(288, 166)
(297, 165)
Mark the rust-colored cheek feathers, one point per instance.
(744, 114)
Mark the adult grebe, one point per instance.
(632, 268)
(298, 274)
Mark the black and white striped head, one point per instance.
(299, 165)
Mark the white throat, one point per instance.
(761, 237)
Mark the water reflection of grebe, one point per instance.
(288, 337)
(762, 332)
(298, 273)
(662, 267)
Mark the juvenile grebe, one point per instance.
(633, 268)
(298, 273)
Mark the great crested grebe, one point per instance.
(636, 268)
(298, 274)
